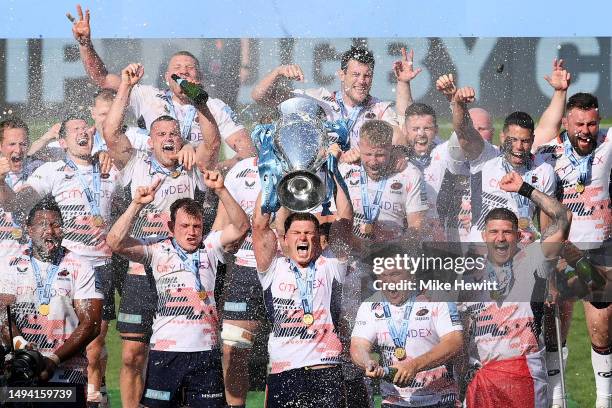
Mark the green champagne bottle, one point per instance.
(588, 274)
(193, 91)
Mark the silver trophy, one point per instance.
(301, 143)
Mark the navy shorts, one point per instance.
(111, 276)
(138, 305)
(243, 295)
(306, 388)
(193, 379)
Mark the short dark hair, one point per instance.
(520, 119)
(163, 118)
(504, 214)
(184, 54)
(12, 123)
(302, 216)
(420, 109)
(582, 101)
(189, 205)
(105, 94)
(47, 203)
(68, 118)
(359, 54)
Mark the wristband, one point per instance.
(526, 190)
(53, 357)
(19, 343)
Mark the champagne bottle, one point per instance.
(193, 91)
(588, 274)
(389, 374)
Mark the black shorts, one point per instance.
(111, 276)
(138, 305)
(243, 294)
(192, 379)
(600, 305)
(306, 388)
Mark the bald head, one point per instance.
(482, 123)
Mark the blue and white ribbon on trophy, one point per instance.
(270, 166)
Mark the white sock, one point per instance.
(555, 392)
(602, 368)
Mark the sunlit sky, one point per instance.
(310, 18)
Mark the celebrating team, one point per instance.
(154, 214)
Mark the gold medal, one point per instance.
(366, 229)
(308, 319)
(16, 233)
(175, 174)
(97, 221)
(523, 223)
(43, 310)
(202, 294)
(579, 188)
(399, 353)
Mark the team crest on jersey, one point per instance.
(370, 115)
(68, 176)
(63, 273)
(422, 314)
(396, 187)
(534, 179)
(22, 270)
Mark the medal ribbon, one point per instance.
(187, 121)
(352, 118)
(8, 180)
(400, 335)
(192, 263)
(306, 288)
(523, 203)
(43, 290)
(93, 199)
(583, 165)
(370, 211)
(161, 169)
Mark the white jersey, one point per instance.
(592, 210)
(10, 222)
(184, 322)
(427, 324)
(75, 280)
(374, 109)
(152, 103)
(242, 182)
(540, 175)
(403, 194)
(512, 328)
(292, 344)
(81, 234)
(153, 219)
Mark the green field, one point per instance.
(579, 374)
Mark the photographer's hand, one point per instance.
(48, 371)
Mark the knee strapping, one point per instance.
(236, 336)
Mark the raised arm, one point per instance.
(237, 224)
(270, 90)
(94, 66)
(118, 144)
(560, 218)
(264, 239)
(550, 121)
(469, 139)
(207, 152)
(404, 73)
(118, 238)
(342, 228)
